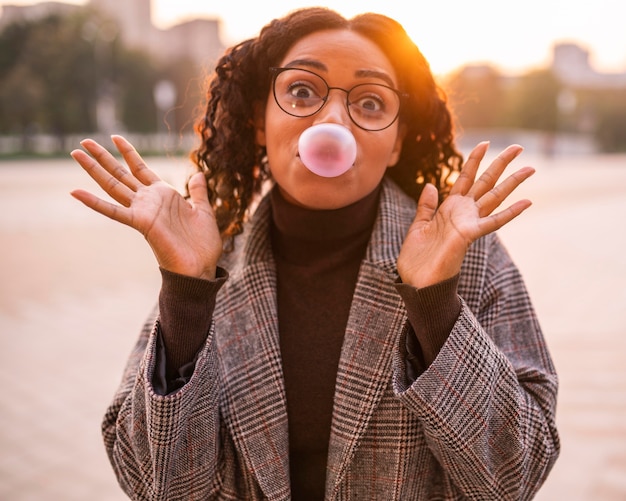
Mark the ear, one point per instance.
(259, 123)
(397, 146)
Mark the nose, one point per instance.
(335, 109)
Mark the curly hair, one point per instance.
(235, 167)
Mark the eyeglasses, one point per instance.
(302, 93)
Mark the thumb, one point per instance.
(427, 204)
(198, 190)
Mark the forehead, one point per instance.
(339, 51)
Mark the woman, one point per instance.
(359, 336)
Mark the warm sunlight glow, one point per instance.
(450, 33)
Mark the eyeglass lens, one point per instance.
(302, 93)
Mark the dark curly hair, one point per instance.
(235, 166)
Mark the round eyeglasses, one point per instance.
(302, 93)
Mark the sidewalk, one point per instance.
(77, 287)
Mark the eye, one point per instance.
(368, 102)
(373, 100)
(301, 91)
(371, 103)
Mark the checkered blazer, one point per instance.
(477, 424)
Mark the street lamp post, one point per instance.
(165, 98)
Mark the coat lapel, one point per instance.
(253, 401)
(377, 317)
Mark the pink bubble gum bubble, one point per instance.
(327, 150)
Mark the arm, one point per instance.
(154, 411)
(487, 402)
(149, 437)
(432, 312)
(185, 313)
(182, 233)
(488, 397)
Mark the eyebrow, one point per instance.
(313, 64)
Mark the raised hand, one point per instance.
(438, 238)
(183, 234)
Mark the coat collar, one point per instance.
(253, 403)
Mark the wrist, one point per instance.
(425, 276)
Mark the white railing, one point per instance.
(47, 144)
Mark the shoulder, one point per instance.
(396, 211)
(253, 244)
(396, 203)
(488, 253)
(487, 268)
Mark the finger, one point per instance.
(489, 178)
(111, 164)
(468, 173)
(107, 209)
(137, 166)
(198, 190)
(494, 197)
(427, 204)
(498, 220)
(109, 183)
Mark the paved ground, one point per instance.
(76, 288)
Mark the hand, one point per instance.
(183, 234)
(438, 238)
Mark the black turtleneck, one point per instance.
(318, 254)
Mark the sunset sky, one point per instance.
(515, 36)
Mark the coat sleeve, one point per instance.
(164, 447)
(487, 402)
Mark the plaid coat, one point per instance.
(477, 424)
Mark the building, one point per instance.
(24, 13)
(198, 39)
(570, 63)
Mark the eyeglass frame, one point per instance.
(276, 70)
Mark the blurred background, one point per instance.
(77, 287)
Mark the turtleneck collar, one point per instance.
(314, 224)
(301, 234)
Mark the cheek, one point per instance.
(381, 153)
(281, 133)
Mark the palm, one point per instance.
(182, 233)
(436, 242)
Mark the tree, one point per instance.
(48, 82)
(606, 109)
(136, 78)
(190, 89)
(21, 93)
(477, 96)
(56, 72)
(534, 101)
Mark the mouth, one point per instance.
(327, 149)
(326, 167)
